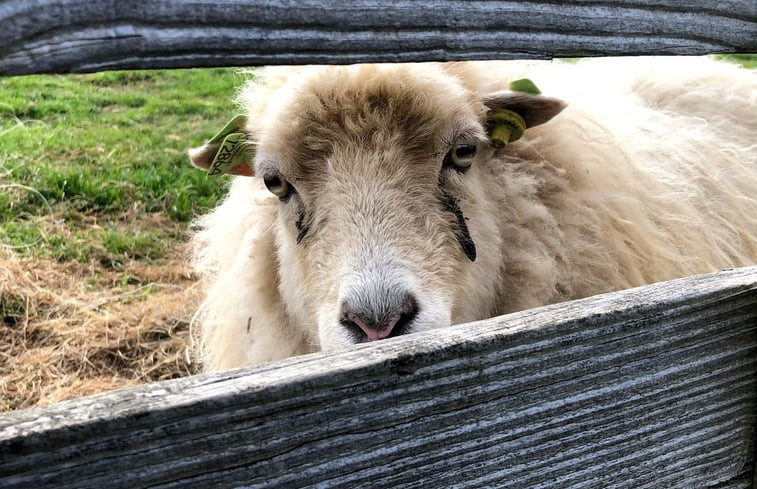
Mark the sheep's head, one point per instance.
(384, 226)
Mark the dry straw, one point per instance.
(71, 329)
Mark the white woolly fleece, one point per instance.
(650, 173)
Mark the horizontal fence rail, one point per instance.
(646, 388)
(55, 36)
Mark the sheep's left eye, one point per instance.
(461, 156)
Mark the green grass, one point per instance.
(85, 160)
(78, 149)
(745, 60)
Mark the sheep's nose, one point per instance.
(369, 322)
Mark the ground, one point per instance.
(96, 197)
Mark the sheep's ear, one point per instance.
(206, 157)
(513, 111)
(228, 152)
(534, 108)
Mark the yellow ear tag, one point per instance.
(233, 151)
(230, 145)
(505, 126)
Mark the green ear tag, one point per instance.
(234, 125)
(233, 151)
(524, 85)
(229, 146)
(505, 126)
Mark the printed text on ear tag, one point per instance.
(233, 151)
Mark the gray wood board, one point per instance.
(52, 36)
(647, 388)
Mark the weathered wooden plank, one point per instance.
(647, 388)
(69, 35)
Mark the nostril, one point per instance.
(355, 331)
(391, 317)
(408, 312)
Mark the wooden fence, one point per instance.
(43, 36)
(648, 388)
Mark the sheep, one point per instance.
(380, 205)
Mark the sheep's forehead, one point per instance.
(368, 106)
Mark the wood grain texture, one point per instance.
(46, 36)
(654, 387)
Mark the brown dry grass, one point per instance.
(71, 329)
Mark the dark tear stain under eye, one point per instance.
(461, 233)
(302, 226)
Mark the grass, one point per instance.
(745, 60)
(95, 194)
(92, 148)
(85, 156)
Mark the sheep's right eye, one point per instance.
(278, 186)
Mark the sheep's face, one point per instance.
(375, 172)
(383, 224)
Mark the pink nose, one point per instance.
(374, 331)
(377, 320)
